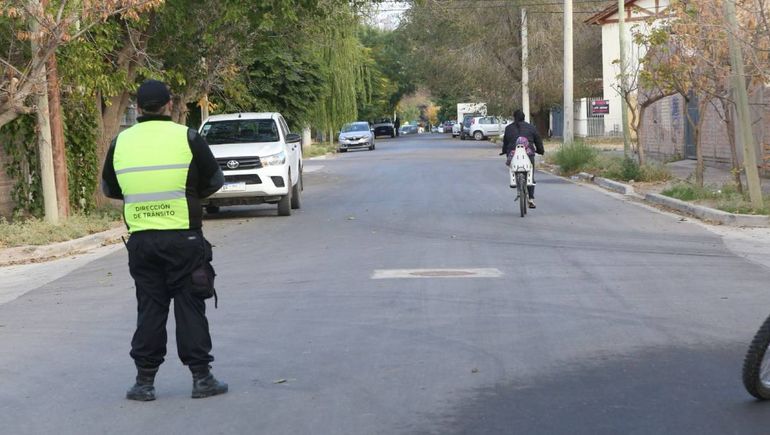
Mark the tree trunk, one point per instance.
(699, 166)
(730, 123)
(57, 138)
(179, 109)
(44, 126)
(109, 127)
(639, 142)
(307, 139)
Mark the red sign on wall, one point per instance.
(600, 107)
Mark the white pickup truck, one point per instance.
(260, 158)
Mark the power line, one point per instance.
(504, 5)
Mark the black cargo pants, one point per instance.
(161, 263)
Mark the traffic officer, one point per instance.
(161, 170)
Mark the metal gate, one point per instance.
(595, 122)
(691, 123)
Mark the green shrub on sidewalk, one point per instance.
(727, 198)
(575, 158)
(628, 169)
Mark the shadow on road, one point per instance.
(671, 390)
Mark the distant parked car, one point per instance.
(466, 125)
(457, 128)
(356, 135)
(447, 126)
(408, 129)
(384, 127)
(482, 127)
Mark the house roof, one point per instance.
(607, 12)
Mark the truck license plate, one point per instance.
(234, 187)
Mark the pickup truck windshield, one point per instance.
(240, 131)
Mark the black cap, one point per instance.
(152, 95)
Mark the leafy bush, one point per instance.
(623, 169)
(575, 157)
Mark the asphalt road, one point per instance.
(606, 317)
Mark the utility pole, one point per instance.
(568, 112)
(524, 65)
(623, 80)
(744, 114)
(45, 151)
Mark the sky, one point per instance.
(389, 14)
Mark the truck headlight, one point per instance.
(273, 160)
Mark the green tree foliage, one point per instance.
(312, 60)
(471, 51)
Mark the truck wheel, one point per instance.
(284, 205)
(295, 194)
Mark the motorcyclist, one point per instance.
(520, 128)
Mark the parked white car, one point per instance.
(260, 158)
(457, 128)
(482, 127)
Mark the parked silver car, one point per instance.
(356, 135)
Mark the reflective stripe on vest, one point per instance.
(152, 160)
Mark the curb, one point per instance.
(615, 186)
(33, 253)
(707, 213)
(699, 211)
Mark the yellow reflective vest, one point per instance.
(152, 160)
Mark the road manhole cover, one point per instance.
(442, 273)
(437, 273)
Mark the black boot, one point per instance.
(143, 390)
(205, 384)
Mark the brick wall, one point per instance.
(662, 128)
(664, 123)
(6, 204)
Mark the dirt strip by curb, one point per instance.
(709, 214)
(31, 254)
(699, 211)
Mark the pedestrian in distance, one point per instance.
(397, 125)
(161, 170)
(520, 128)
